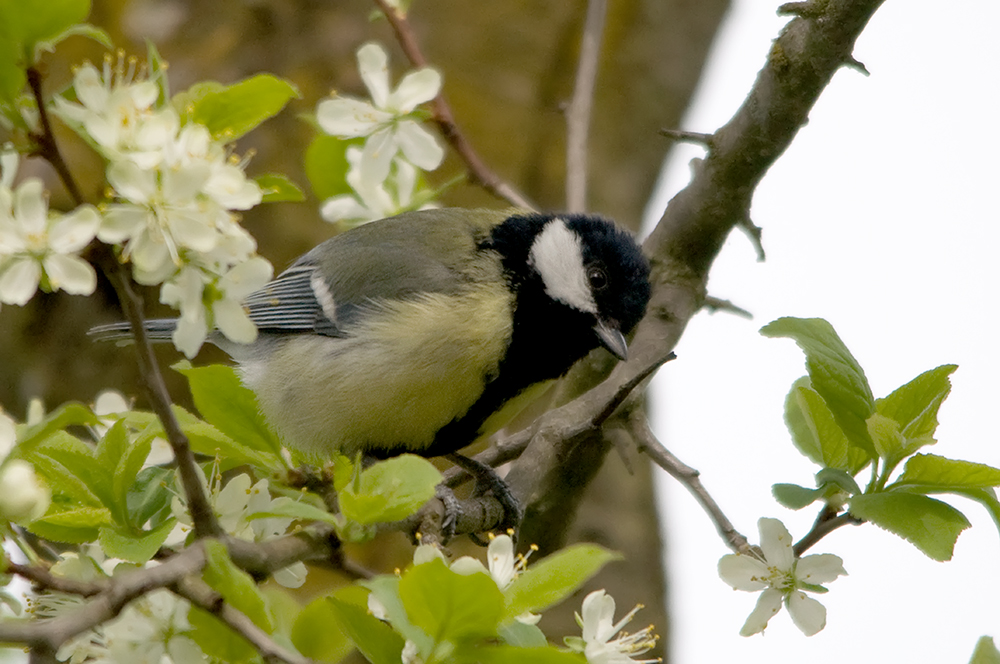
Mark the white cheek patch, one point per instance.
(557, 254)
(323, 296)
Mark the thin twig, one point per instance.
(688, 136)
(202, 516)
(755, 233)
(689, 477)
(578, 112)
(714, 304)
(828, 521)
(43, 578)
(479, 173)
(201, 595)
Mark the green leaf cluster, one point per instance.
(836, 422)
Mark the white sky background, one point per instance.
(881, 218)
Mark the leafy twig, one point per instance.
(828, 521)
(580, 105)
(479, 173)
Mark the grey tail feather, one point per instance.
(158, 329)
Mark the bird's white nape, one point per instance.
(557, 255)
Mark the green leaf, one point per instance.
(12, 74)
(795, 497)
(285, 507)
(158, 74)
(888, 440)
(509, 654)
(134, 546)
(930, 525)
(76, 475)
(217, 640)
(26, 22)
(72, 526)
(915, 405)
(930, 470)
(318, 634)
(839, 478)
(833, 372)
(231, 111)
(277, 188)
(66, 415)
(449, 606)
(816, 433)
(326, 166)
(85, 30)
(376, 640)
(518, 634)
(385, 588)
(987, 497)
(229, 406)
(129, 465)
(554, 579)
(986, 652)
(235, 585)
(390, 490)
(150, 494)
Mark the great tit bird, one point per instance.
(423, 332)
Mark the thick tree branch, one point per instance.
(578, 111)
(479, 173)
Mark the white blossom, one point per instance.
(8, 434)
(23, 496)
(387, 121)
(599, 644)
(39, 248)
(504, 567)
(782, 577)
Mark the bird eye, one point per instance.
(598, 280)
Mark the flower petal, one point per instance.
(75, 230)
(807, 614)
(598, 611)
(342, 207)
(743, 572)
(232, 321)
(376, 157)
(121, 222)
(373, 64)
(416, 88)
(819, 568)
(768, 604)
(19, 281)
(30, 207)
(349, 118)
(70, 273)
(132, 182)
(419, 145)
(776, 544)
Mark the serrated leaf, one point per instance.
(317, 632)
(554, 579)
(930, 525)
(931, 470)
(126, 472)
(66, 415)
(134, 546)
(795, 497)
(231, 111)
(235, 585)
(986, 652)
(68, 481)
(816, 433)
(833, 372)
(915, 405)
(73, 526)
(326, 166)
(376, 640)
(85, 30)
(277, 188)
(229, 406)
(150, 494)
(390, 490)
(449, 606)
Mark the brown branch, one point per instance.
(201, 595)
(690, 478)
(714, 304)
(44, 579)
(688, 136)
(828, 521)
(580, 105)
(479, 173)
(202, 516)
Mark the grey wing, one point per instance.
(300, 299)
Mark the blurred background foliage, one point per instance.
(508, 67)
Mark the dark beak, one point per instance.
(612, 339)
